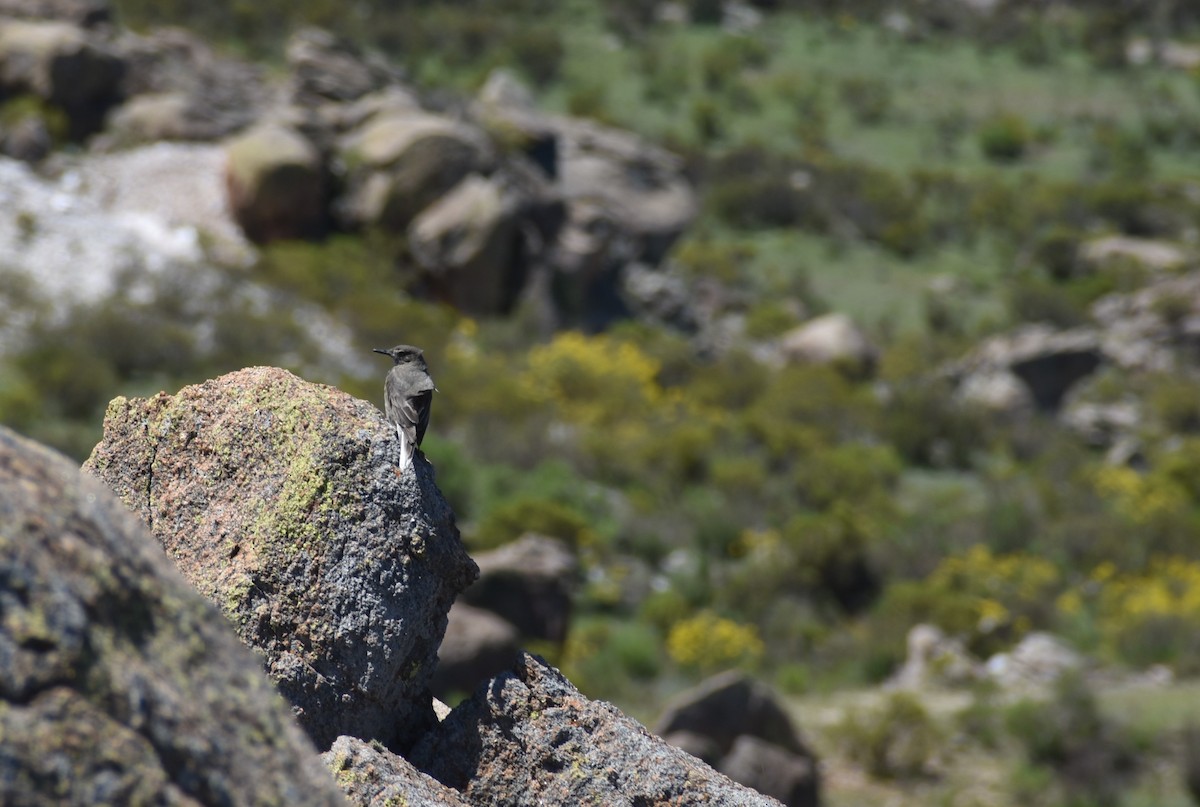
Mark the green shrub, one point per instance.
(1093, 758)
(899, 740)
(1004, 137)
(510, 520)
(539, 51)
(869, 99)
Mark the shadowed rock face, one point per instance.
(119, 684)
(280, 501)
(529, 737)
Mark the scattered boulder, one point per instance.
(1048, 362)
(467, 241)
(276, 182)
(61, 64)
(370, 775)
(999, 391)
(28, 140)
(280, 501)
(772, 771)
(935, 660)
(639, 185)
(194, 93)
(832, 339)
(530, 583)
(530, 738)
(1039, 659)
(730, 706)
(402, 161)
(325, 67)
(1113, 251)
(478, 645)
(120, 685)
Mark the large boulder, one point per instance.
(530, 738)
(401, 161)
(281, 502)
(179, 88)
(1047, 361)
(466, 241)
(730, 707)
(63, 65)
(276, 181)
(120, 684)
(374, 777)
(529, 582)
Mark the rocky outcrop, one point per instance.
(1046, 361)
(467, 241)
(280, 501)
(372, 776)
(401, 161)
(729, 707)
(530, 738)
(276, 182)
(63, 65)
(120, 685)
(178, 88)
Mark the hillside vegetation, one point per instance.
(941, 176)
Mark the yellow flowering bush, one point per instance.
(593, 380)
(1146, 617)
(989, 599)
(1140, 498)
(709, 641)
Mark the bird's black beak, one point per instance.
(380, 350)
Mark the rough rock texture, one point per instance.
(530, 583)
(276, 180)
(120, 685)
(372, 776)
(279, 500)
(730, 706)
(530, 738)
(477, 645)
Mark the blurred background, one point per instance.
(852, 345)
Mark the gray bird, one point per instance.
(407, 396)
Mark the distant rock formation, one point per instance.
(118, 683)
(738, 726)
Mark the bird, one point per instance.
(407, 396)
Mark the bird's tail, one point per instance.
(407, 450)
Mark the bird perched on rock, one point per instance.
(407, 396)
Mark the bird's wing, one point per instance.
(416, 411)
